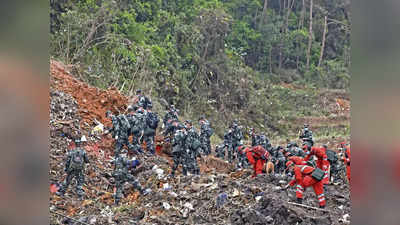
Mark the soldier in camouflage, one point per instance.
(120, 132)
(75, 167)
(205, 134)
(307, 136)
(228, 138)
(192, 146)
(137, 120)
(142, 101)
(179, 153)
(237, 136)
(152, 121)
(170, 121)
(122, 174)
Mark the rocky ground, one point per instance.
(220, 195)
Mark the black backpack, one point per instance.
(152, 120)
(332, 156)
(77, 160)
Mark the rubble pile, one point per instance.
(93, 102)
(220, 195)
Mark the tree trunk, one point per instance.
(270, 60)
(264, 13)
(301, 25)
(303, 12)
(323, 42)
(310, 36)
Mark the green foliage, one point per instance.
(222, 58)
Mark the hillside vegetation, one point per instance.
(273, 64)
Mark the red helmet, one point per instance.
(289, 163)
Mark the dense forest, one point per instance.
(262, 61)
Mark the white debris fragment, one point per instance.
(166, 205)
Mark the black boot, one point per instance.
(299, 200)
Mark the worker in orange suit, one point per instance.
(322, 159)
(304, 178)
(297, 160)
(257, 156)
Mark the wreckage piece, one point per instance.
(310, 207)
(77, 221)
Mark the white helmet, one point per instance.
(83, 138)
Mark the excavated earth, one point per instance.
(221, 195)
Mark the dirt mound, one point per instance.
(92, 102)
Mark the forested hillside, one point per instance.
(272, 64)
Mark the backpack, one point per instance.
(124, 122)
(332, 156)
(318, 174)
(77, 160)
(152, 120)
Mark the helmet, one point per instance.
(83, 138)
(140, 110)
(289, 145)
(108, 113)
(188, 122)
(305, 125)
(180, 126)
(138, 91)
(325, 146)
(129, 108)
(202, 117)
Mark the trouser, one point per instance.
(149, 143)
(280, 166)
(119, 184)
(242, 160)
(220, 152)
(318, 187)
(192, 164)
(334, 172)
(230, 153)
(348, 172)
(324, 165)
(233, 151)
(80, 180)
(258, 167)
(205, 144)
(178, 159)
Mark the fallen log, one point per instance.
(310, 207)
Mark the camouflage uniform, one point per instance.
(228, 138)
(74, 167)
(179, 153)
(192, 148)
(205, 134)
(121, 175)
(220, 151)
(150, 130)
(170, 120)
(280, 161)
(138, 124)
(142, 101)
(307, 137)
(237, 136)
(120, 131)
